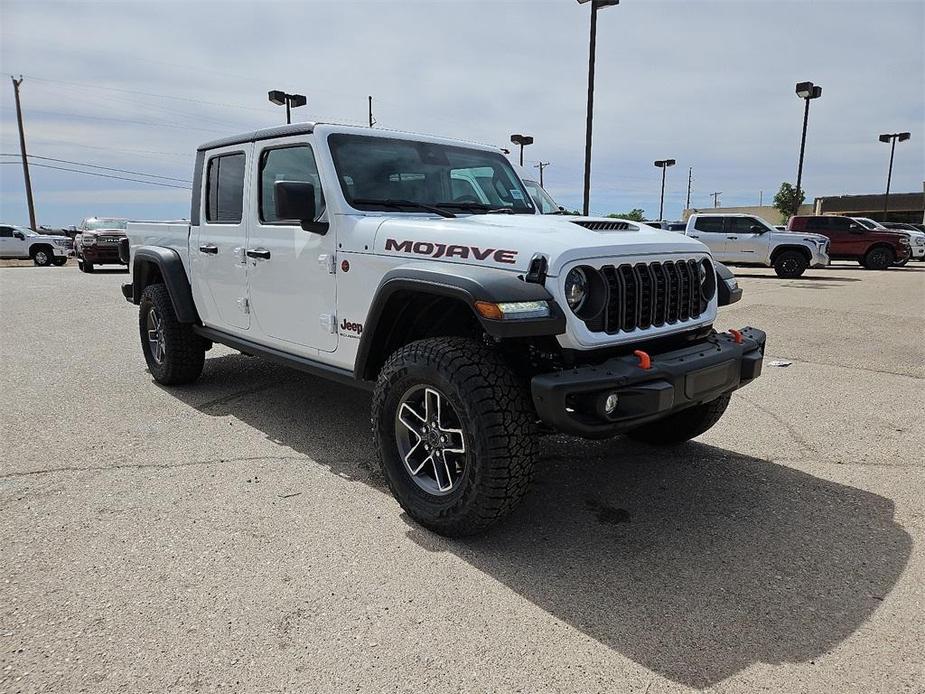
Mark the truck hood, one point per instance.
(509, 242)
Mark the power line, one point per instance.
(155, 124)
(100, 175)
(84, 85)
(105, 168)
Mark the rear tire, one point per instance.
(173, 352)
(60, 262)
(878, 258)
(682, 426)
(790, 264)
(479, 397)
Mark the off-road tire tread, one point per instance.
(186, 351)
(682, 426)
(501, 410)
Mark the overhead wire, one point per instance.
(97, 166)
(102, 175)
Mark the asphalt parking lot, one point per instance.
(233, 536)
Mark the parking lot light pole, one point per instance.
(291, 101)
(806, 91)
(523, 141)
(663, 164)
(892, 138)
(592, 43)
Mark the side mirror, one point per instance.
(18, 234)
(296, 200)
(757, 229)
(855, 228)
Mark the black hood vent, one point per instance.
(603, 226)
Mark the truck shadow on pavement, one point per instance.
(694, 562)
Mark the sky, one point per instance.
(137, 85)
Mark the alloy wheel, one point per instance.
(430, 440)
(156, 341)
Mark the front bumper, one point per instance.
(820, 259)
(100, 254)
(918, 252)
(571, 401)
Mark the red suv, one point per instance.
(875, 249)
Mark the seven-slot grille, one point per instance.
(644, 295)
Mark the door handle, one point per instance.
(694, 237)
(257, 253)
(733, 238)
(209, 248)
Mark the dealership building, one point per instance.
(903, 207)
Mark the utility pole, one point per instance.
(541, 165)
(716, 199)
(25, 161)
(690, 178)
(760, 198)
(372, 121)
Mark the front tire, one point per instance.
(878, 258)
(59, 262)
(173, 352)
(42, 257)
(84, 266)
(790, 264)
(900, 263)
(455, 434)
(682, 426)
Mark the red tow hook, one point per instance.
(645, 361)
(736, 335)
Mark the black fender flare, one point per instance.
(467, 285)
(170, 266)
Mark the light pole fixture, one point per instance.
(663, 164)
(806, 91)
(281, 98)
(523, 141)
(592, 43)
(892, 138)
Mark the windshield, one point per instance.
(542, 199)
(94, 224)
(376, 171)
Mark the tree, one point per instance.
(787, 202)
(634, 215)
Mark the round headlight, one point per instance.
(576, 288)
(707, 280)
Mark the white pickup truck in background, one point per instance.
(740, 239)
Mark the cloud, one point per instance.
(708, 83)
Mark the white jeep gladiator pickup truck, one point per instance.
(741, 239)
(419, 268)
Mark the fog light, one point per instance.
(610, 404)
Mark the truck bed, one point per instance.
(173, 235)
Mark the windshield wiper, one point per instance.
(398, 204)
(487, 209)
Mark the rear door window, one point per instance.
(710, 225)
(225, 189)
